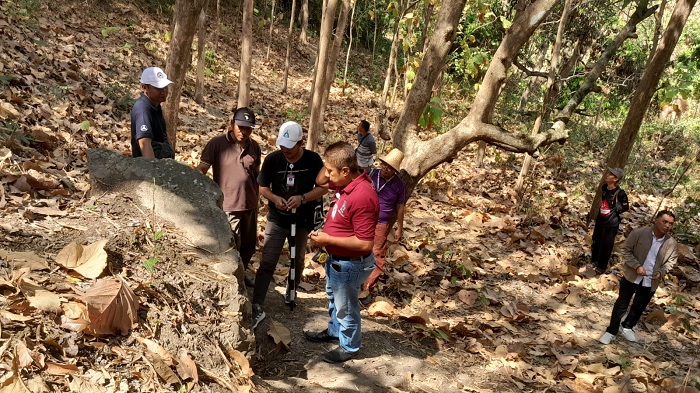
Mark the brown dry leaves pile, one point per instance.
(515, 290)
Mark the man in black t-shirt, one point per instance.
(149, 138)
(288, 181)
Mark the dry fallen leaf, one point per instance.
(14, 317)
(22, 356)
(186, 367)
(163, 370)
(80, 385)
(46, 301)
(61, 368)
(41, 181)
(409, 315)
(12, 383)
(89, 261)
(157, 349)
(24, 259)
(112, 307)
(280, 334)
(381, 308)
(242, 361)
(468, 297)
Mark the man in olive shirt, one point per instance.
(235, 159)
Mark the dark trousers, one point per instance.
(642, 296)
(244, 225)
(602, 245)
(275, 237)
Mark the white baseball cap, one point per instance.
(290, 134)
(155, 77)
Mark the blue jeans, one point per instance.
(343, 282)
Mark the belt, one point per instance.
(344, 258)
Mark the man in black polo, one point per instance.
(288, 181)
(149, 138)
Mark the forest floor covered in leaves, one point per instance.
(485, 293)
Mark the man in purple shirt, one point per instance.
(392, 199)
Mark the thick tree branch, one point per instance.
(589, 84)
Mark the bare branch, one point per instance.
(527, 71)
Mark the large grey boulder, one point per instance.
(170, 190)
(192, 202)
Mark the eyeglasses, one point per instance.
(386, 167)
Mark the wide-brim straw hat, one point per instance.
(393, 159)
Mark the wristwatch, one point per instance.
(303, 198)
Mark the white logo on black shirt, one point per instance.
(144, 128)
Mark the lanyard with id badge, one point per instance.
(289, 176)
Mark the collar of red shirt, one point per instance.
(354, 183)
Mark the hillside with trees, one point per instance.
(508, 114)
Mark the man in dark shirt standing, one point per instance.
(366, 146)
(235, 159)
(348, 236)
(149, 138)
(288, 181)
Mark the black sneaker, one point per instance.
(320, 337)
(338, 355)
(258, 315)
(249, 280)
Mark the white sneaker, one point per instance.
(606, 338)
(258, 315)
(629, 335)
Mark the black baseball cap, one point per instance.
(244, 117)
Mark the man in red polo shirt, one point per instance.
(348, 236)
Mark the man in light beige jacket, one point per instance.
(647, 255)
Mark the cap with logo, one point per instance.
(155, 77)
(290, 134)
(244, 117)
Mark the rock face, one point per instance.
(192, 202)
(170, 190)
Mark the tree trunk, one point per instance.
(179, 59)
(335, 52)
(315, 69)
(304, 22)
(272, 26)
(418, 160)
(201, 47)
(218, 24)
(551, 92)
(645, 91)
(290, 39)
(322, 58)
(374, 18)
(392, 61)
(347, 55)
(246, 55)
(424, 155)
